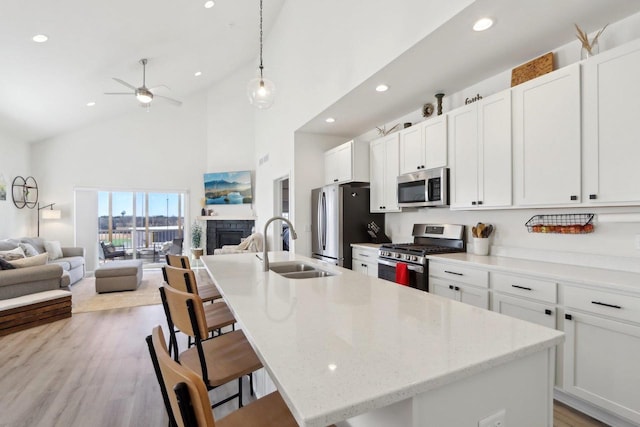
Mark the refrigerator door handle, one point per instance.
(323, 230)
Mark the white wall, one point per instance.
(316, 53)
(162, 150)
(14, 161)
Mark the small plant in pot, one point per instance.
(196, 240)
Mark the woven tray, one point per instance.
(532, 69)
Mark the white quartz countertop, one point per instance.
(566, 273)
(366, 245)
(340, 346)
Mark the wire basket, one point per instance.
(561, 223)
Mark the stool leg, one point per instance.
(251, 382)
(240, 392)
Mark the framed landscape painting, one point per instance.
(227, 188)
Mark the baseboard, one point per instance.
(594, 412)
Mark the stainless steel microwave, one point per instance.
(428, 187)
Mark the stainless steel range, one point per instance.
(428, 239)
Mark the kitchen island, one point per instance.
(356, 350)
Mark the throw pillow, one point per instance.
(53, 249)
(13, 254)
(40, 259)
(28, 249)
(5, 265)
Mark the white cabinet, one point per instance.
(384, 174)
(601, 349)
(424, 146)
(365, 260)
(524, 297)
(546, 139)
(480, 140)
(460, 283)
(611, 105)
(348, 162)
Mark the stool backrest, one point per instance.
(184, 310)
(179, 261)
(182, 279)
(186, 392)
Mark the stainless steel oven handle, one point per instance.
(412, 267)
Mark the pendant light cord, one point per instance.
(261, 67)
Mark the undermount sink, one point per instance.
(290, 267)
(298, 270)
(307, 274)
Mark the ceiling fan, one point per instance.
(144, 94)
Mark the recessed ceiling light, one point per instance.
(483, 24)
(209, 4)
(40, 38)
(198, 73)
(330, 120)
(382, 88)
(91, 103)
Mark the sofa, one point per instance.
(67, 268)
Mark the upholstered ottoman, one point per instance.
(119, 276)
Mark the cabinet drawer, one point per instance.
(529, 287)
(368, 255)
(459, 274)
(619, 306)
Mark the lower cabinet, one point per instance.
(467, 294)
(535, 312)
(365, 260)
(602, 344)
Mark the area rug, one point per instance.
(84, 297)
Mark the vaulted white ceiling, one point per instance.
(44, 88)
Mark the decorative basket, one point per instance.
(561, 223)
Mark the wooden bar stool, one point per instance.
(217, 360)
(206, 292)
(186, 398)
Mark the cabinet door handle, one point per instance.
(364, 265)
(568, 317)
(456, 288)
(363, 255)
(335, 180)
(593, 196)
(521, 287)
(473, 203)
(451, 287)
(574, 197)
(548, 312)
(605, 304)
(479, 202)
(453, 272)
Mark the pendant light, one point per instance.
(261, 91)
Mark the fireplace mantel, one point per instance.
(226, 218)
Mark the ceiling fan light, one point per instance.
(261, 93)
(144, 96)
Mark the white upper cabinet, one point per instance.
(480, 139)
(546, 139)
(384, 173)
(424, 146)
(348, 162)
(611, 105)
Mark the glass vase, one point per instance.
(588, 53)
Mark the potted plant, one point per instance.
(196, 239)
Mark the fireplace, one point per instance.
(227, 232)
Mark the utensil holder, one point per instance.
(480, 246)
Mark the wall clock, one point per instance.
(25, 192)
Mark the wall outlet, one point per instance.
(496, 420)
(638, 242)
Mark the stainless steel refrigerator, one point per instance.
(339, 217)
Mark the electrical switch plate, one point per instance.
(495, 420)
(638, 242)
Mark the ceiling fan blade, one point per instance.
(122, 82)
(119, 93)
(171, 100)
(158, 87)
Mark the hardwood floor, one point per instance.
(94, 370)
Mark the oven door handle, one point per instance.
(412, 267)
